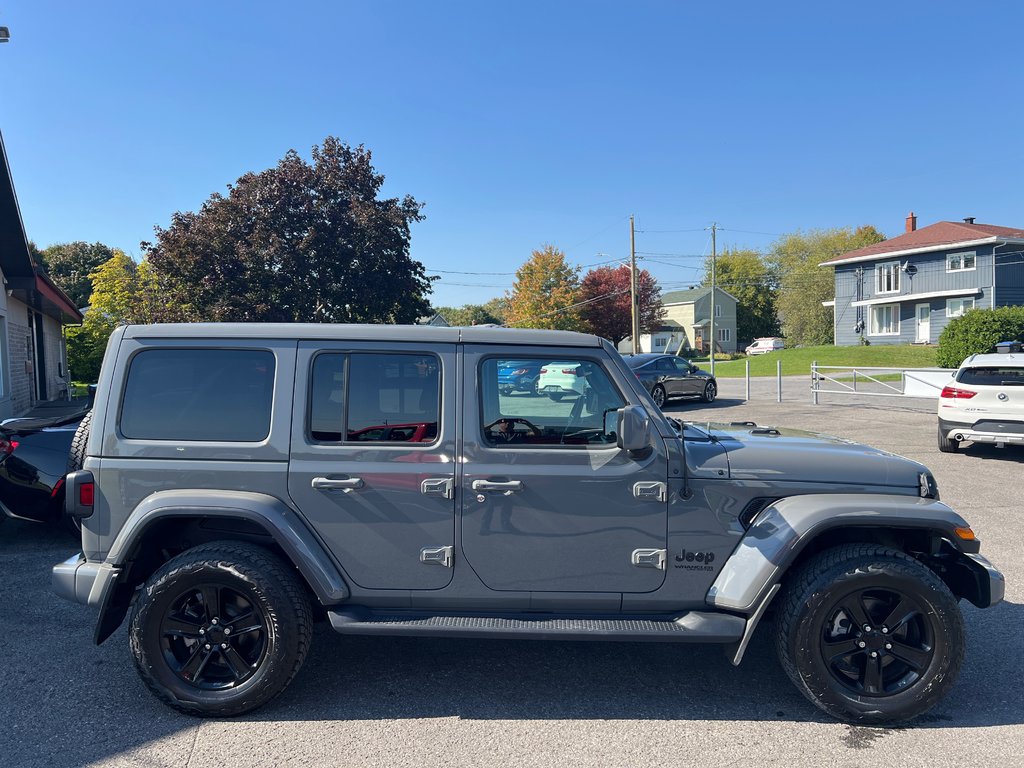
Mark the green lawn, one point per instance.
(797, 362)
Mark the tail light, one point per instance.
(81, 494)
(519, 372)
(86, 494)
(7, 447)
(957, 394)
(572, 371)
(543, 370)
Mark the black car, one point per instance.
(667, 376)
(35, 456)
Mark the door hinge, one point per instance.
(438, 486)
(654, 491)
(437, 555)
(649, 558)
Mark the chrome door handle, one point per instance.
(438, 486)
(347, 485)
(508, 486)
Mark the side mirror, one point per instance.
(634, 429)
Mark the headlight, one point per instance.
(929, 489)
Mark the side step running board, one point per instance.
(694, 626)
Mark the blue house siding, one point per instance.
(920, 274)
(1009, 278)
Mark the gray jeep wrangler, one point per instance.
(240, 481)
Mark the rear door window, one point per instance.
(374, 398)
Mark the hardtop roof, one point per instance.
(353, 332)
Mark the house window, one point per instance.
(957, 307)
(885, 320)
(718, 310)
(659, 342)
(887, 277)
(725, 334)
(961, 262)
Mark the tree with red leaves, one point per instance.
(607, 309)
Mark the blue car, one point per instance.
(518, 376)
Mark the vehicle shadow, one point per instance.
(986, 451)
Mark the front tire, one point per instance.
(869, 634)
(220, 629)
(946, 445)
(710, 392)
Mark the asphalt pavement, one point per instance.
(412, 702)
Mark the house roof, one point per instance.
(942, 234)
(694, 294)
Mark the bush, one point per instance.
(978, 331)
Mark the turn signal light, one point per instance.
(86, 494)
(965, 533)
(959, 394)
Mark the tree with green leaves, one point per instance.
(468, 314)
(545, 293)
(606, 303)
(803, 285)
(70, 264)
(748, 276)
(300, 242)
(123, 292)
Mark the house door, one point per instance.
(924, 323)
(698, 339)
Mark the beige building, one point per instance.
(33, 313)
(687, 323)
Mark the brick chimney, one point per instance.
(911, 222)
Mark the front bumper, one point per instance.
(78, 580)
(987, 574)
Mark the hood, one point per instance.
(774, 454)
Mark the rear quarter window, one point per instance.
(221, 395)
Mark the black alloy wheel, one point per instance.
(710, 392)
(658, 393)
(213, 636)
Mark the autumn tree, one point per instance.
(545, 293)
(605, 303)
(70, 264)
(123, 292)
(803, 285)
(750, 278)
(302, 241)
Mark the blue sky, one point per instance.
(524, 123)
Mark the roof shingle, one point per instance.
(942, 233)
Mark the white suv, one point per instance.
(762, 346)
(984, 403)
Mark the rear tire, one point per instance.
(556, 396)
(850, 602)
(76, 460)
(658, 393)
(947, 445)
(220, 629)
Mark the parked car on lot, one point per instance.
(984, 403)
(765, 345)
(224, 507)
(667, 376)
(558, 379)
(35, 454)
(518, 376)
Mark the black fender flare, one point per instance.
(276, 518)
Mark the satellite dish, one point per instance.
(909, 269)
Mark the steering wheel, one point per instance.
(511, 426)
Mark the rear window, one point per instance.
(996, 376)
(221, 395)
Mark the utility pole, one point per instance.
(714, 257)
(634, 299)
